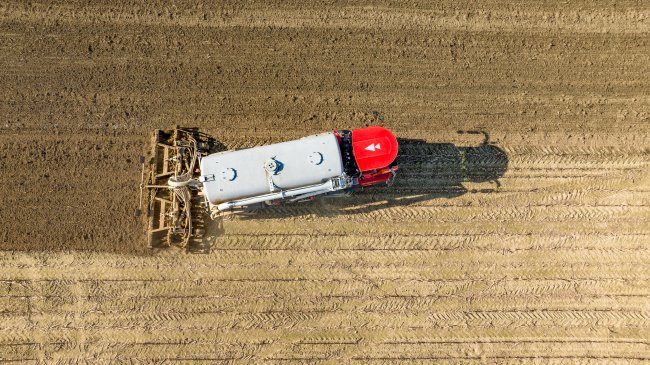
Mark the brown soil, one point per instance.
(533, 248)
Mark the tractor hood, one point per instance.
(373, 148)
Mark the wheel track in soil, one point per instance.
(548, 266)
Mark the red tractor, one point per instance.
(183, 171)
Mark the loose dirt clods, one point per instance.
(531, 248)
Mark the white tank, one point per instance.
(232, 175)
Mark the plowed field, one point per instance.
(518, 229)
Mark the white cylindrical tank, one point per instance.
(232, 175)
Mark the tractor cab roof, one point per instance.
(373, 147)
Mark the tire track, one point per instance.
(446, 266)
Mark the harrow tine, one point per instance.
(138, 211)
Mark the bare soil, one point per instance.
(533, 247)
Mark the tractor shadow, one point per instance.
(427, 171)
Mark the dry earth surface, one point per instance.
(534, 248)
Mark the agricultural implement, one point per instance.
(187, 177)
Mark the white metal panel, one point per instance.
(238, 174)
